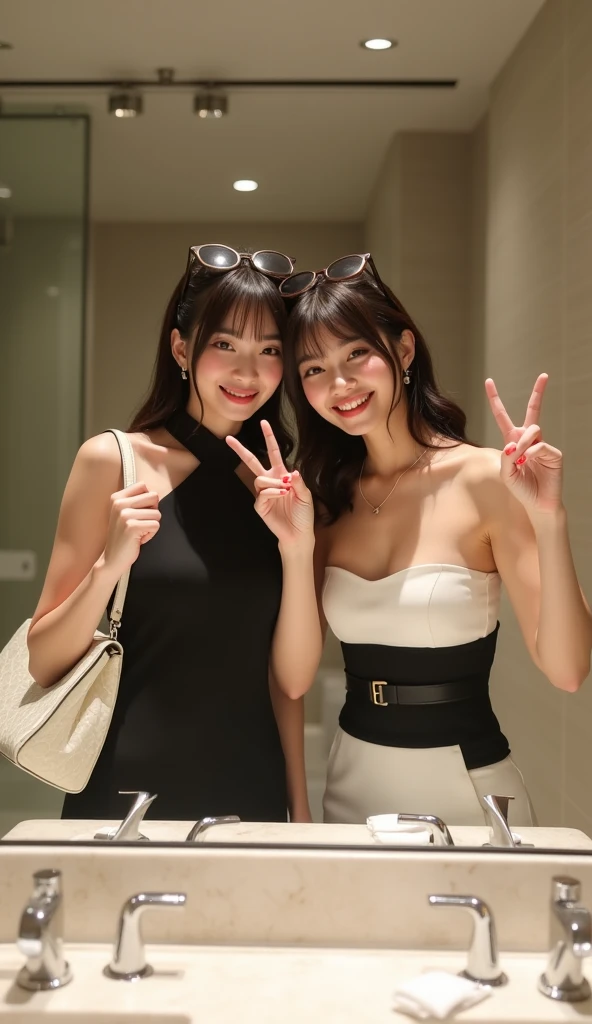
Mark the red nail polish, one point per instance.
(282, 491)
(510, 449)
(286, 479)
(521, 460)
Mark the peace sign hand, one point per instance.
(284, 502)
(530, 468)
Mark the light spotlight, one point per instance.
(378, 44)
(5, 191)
(245, 185)
(207, 104)
(126, 104)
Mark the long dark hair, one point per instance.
(207, 300)
(329, 458)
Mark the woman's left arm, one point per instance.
(289, 715)
(530, 542)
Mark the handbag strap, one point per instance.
(129, 477)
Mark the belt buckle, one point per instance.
(376, 693)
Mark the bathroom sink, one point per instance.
(279, 833)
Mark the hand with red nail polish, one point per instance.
(284, 502)
(531, 469)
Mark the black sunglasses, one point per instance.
(223, 258)
(344, 269)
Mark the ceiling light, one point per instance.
(5, 191)
(125, 104)
(245, 185)
(378, 44)
(208, 104)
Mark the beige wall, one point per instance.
(488, 239)
(418, 230)
(135, 268)
(532, 293)
(475, 354)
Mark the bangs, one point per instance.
(339, 309)
(244, 295)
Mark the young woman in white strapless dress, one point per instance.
(416, 529)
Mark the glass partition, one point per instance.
(43, 244)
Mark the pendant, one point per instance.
(375, 511)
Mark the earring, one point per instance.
(183, 373)
(407, 378)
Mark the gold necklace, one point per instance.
(376, 508)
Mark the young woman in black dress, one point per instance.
(198, 719)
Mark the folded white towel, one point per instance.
(385, 828)
(438, 995)
(403, 838)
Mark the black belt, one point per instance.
(382, 693)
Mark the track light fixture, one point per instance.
(126, 104)
(208, 104)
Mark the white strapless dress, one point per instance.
(426, 608)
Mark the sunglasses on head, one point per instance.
(344, 269)
(223, 258)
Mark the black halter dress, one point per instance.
(194, 721)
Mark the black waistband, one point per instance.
(424, 697)
(410, 665)
(382, 692)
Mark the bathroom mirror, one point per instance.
(456, 151)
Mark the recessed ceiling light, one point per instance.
(5, 192)
(245, 185)
(378, 44)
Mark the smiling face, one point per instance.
(237, 371)
(349, 383)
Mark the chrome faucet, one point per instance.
(203, 824)
(483, 962)
(496, 814)
(440, 834)
(128, 962)
(571, 943)
(129, 829)
(40, 936)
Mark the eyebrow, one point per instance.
(233, 334)
(342, 342)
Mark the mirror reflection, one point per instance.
(294, 538)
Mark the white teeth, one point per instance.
(237, 395)
(353, 405)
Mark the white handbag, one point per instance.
(56, 733)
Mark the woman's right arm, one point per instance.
(99, 534)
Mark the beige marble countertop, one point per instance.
(283, 832)
(264, 986)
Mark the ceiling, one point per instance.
(315, 153)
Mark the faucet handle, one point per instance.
(128, 962)
(570, 942)
(483, 963)
(565, 889)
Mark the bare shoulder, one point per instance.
(98, 463)
(100, 450)
(481, 476)
(477, 472)
(479, 465)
